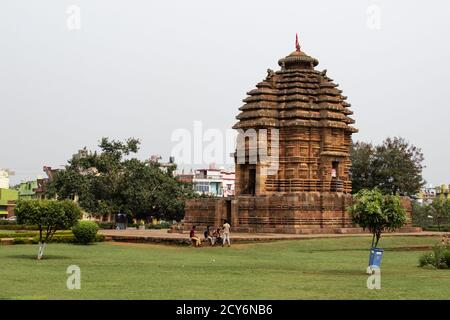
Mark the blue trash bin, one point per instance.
(376, 254)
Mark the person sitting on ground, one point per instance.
(217, 236)
(208, 235)
(194, 238)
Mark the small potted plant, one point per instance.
(377, 212)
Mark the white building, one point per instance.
(4, 178)
(228, 179)
(212, 181)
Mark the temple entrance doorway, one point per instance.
(252, 181)
(228, 208)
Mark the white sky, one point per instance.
(146, 68)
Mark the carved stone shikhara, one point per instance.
(310, 189)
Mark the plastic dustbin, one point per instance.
(376, 254)
(121, 221)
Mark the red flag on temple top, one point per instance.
(297, 45)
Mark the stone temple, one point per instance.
(306, 122)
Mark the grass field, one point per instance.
(298, 269)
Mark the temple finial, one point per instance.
(297, 45)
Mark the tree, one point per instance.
(49, 216)
(394, 167)
(111, 181)
(93, 179)
(377, 212)
(439, 209)
(421, 215)
(147, 190)
(361, 154)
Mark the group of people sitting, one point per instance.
(212, 235)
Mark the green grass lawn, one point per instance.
(298, 269)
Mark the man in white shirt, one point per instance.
(226, 233)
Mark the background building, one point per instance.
(4, 178)
(8, 197)
(211, 181)
(429, 192)
(35, 189)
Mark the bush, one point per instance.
(69, 238)
(445, 227)
(165, 225)
(427, 260)
(446, 258)
(19, 241)
(17, 227)
(17, 234)
(106, 225)
(65, 236)
(6, 222)
(162, 225)
(85, 231)
(439, 258)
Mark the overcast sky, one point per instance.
(145, 68)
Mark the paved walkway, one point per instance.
(162, 236)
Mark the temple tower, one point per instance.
(312, 119)
(300, 183)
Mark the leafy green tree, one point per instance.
(147, 190)
(439, 209)
(421, 214)
(361, 154)
(110, 181)
(394, 167)
(377, 212)
(49, 215)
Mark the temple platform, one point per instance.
(182, 238)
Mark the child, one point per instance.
(216, 236)
(194, 238)
(208, 236)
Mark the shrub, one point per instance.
(162, 225)
(439, 255)
(165, 225)
(439, 258)
(17, 227)
(427, 259)
(68, 238)
(85, 231)
(19, 241)
(17, 234)
(153, 226)
(446, 258)
(6, 222)
(445, 227)
(106, 225)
